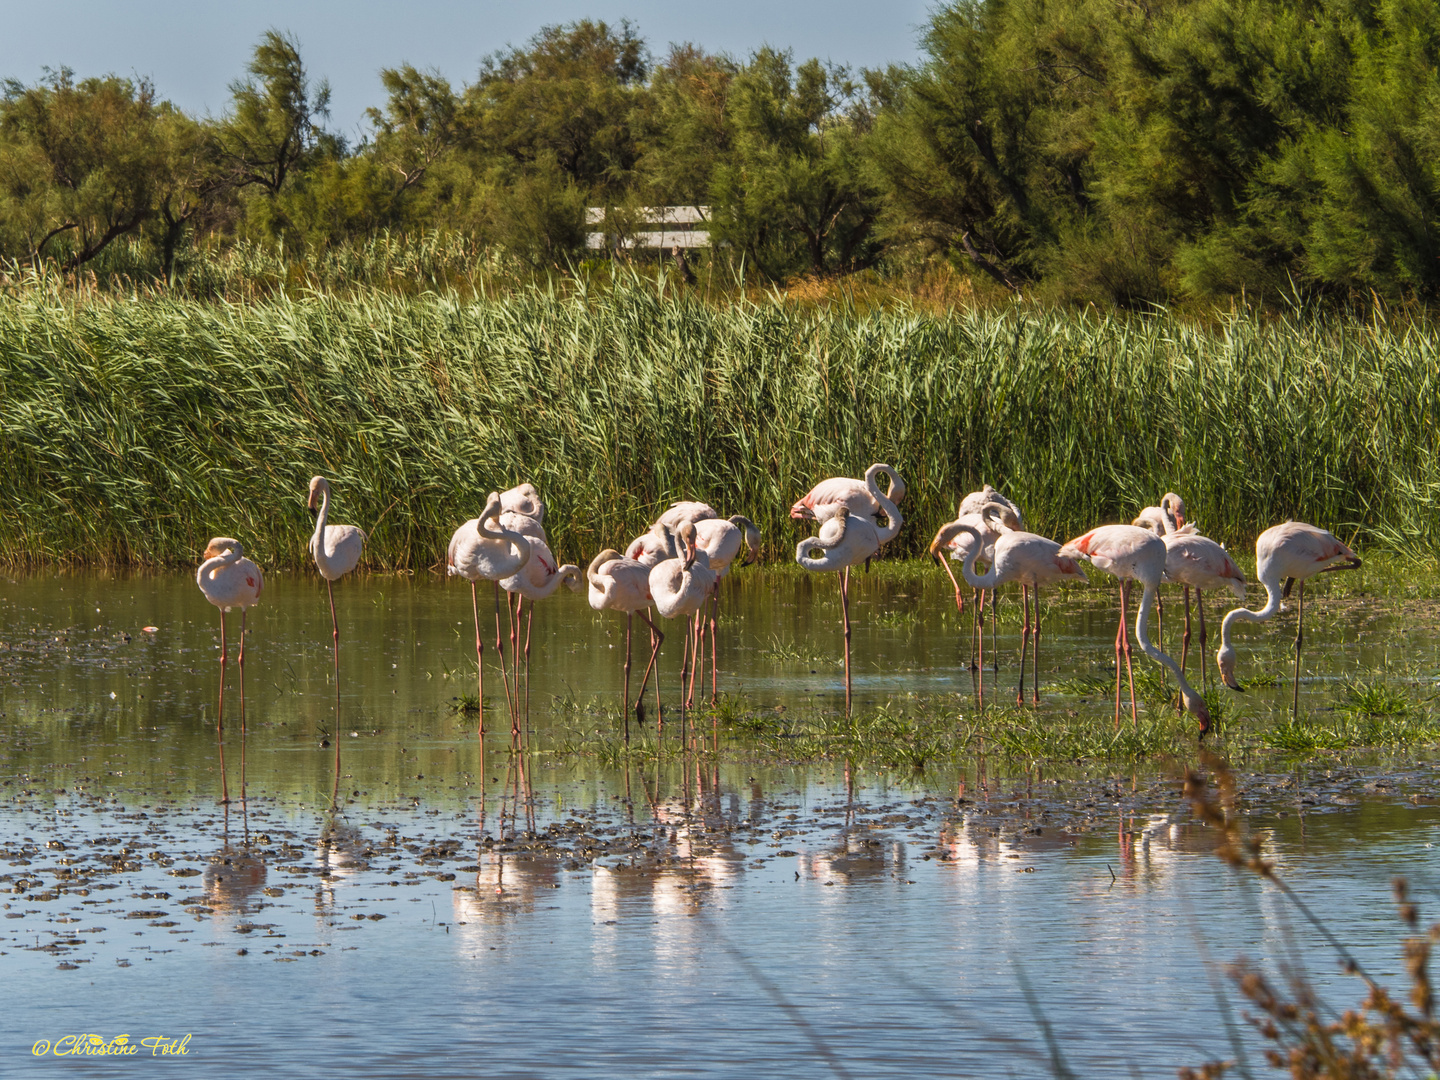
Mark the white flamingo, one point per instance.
(621, 584)
(861, 497)
(1131, 553)
(483, 550)
(1291, 552)
(721, 539)
(680, 586)
(537, 579)
(336, 550)
(229, 580)
(846, 538)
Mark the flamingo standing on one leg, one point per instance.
(847, 538)
(1018, 556)
(1293, 551)
(1195, 561)
(336, 549)
(680, 586)
(229, 580)
(621, 584)
(537, 579)
(1131, 553)
(482, 551)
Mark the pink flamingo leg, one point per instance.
(504, 673)
(243, 613)
(714, 662)
(479, 667)
(1035, 635)
(625, 683)
(1200, 604)
(1119, 634)
(1125, 637)
(335, 641)
(220, 717)
(656, 640)
(845, 624)
(1024, 639)
(1299, 640)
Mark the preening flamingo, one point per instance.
(1293, 551)
(483, 550)
(336, 550)
(621, 584)
(1195, 561)
(1162, 520)
(680, 586)
(1131, 553)
(537, 579)
(229, 580)
(985, 530)
(860, 497)
(1025, 557)
(847, 538)
(523, 499)
(977, 502)
(693, 512)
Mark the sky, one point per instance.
(193, 50)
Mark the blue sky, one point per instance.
(192, 50)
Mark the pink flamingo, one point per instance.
(1018, 556)
(1195, 561)
(336, 549)
(1131, 553)
(537, 579)
(523, 499)
(693, 512)
(848, 537)
(1166, 518)
(680, 586)
(621, 584)
(721, 540)
(858, 496)
(229, 580)
(480, 551)
(1293, 551)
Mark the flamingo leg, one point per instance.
(1299, 640)
(975, 595)
(1160, 619)
(1185, 639)
(479, 664)
(1125, 637)
(656, 640)
(845, 624)
(625, 685)
(1035, 636)
(994, 633)
(684, 674)
(1024, 639)
(220, 718)
(529, 622)
(335, 638)
(1120, 630)
(243, 613)
(1200, 603)
(714, 661)
(504, 674)
(959, 600)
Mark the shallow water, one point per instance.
(548, 915)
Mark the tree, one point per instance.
(274, 121)
(418, 126)
(79, 163)
(792, 190)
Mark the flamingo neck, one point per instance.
(321, 519)
(1142, 635)
(976, 581)
(1271, 582)
(893, 520)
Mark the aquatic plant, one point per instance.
(130, 427)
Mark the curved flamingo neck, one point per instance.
(892, 513)
(1142, 635)
(1271, 581)
(976, 581)
(567, 572)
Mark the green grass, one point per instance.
(134, 428)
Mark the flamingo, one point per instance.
(1192, 560)
(336, 549)
(523, 499)
(721, 539)
(680, 586)
(1018, 556)
(229, 580)
(859, 496)
(480, 551)
(1129, 552)
(985, 532)
(1293, 551)
(977, 501)
(621, 584)
(1166, 518)
(694, 512)
(537, 579)
(847, 538)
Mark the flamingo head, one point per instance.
(1195, 705)
(685, 534)
(946, 537)
(222, 545)
(802, 511)
(1175, 507)
(493, 507)
(752, 537)
(319, 487)
(1225, 661)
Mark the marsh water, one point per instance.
(572, 910)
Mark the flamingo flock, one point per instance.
(675, 568)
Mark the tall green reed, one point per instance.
(133, 429)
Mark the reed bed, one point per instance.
(133, 429)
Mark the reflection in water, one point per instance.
(232, 879)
